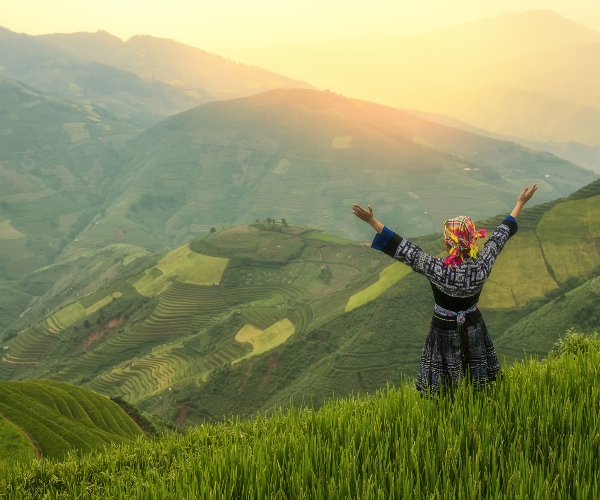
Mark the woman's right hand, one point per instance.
(363, 213)
(526, 195)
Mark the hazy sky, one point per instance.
(214, 24)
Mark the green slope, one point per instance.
(291, 314)
(306, 156)
(59, 417)
(532, 435)
(56, 164)
(195, 73)
(16, 447)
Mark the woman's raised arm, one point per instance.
(524, 197)
(368, 217)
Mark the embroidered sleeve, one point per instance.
(410, 254)
(493, 246)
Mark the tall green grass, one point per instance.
(534, 434)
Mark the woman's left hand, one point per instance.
(364, 214)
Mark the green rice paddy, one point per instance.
(184, 265)
(569, 235)
(519, 274)
(16, 447)
(60, 417)
(387, 277)
(534, 434)
(264, 340)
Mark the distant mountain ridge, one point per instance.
(101, 69)
(56, 164)
(474, 71)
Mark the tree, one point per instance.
(212, 230)
(284, 222)
(86, 323)
(268, 220)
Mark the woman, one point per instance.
(458, 344)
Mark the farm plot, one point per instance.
(61, 418)
(29, 347)
(191, 267)
(146, 376)
(71, 314)
(7, 232)
(183, 309)
(263, 317)
(264, 340)
(570, 234)
(519, 270)
(185, 266)
(14, 445)
(387, 277)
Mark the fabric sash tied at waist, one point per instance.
(460, 315)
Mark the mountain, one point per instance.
(526, 114)
(141, 81)
(198, 73)
(532, 75)
(249, 318)
(394, 444)
(57, 161)
(307, 156)
(405, 71)
(584, 155)
(49, 419)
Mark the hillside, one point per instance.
(48, 419)
(584, 155)
(248, 318)
(530, 74)
(140, 81)
(408, 71)
(198, 73)
(532, 435)
(56, 165)
(306, 156)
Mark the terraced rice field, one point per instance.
(71, 314)
(14, 445)
(191, 267)
(570, 237)
(184, 265)
(301, 317)
(264, 340)
(29, 347)
(60, 417)
(7, 232)
(387, 277)
(263, 317)
(520, 274)
(145, 377)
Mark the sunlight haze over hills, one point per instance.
(237, 23)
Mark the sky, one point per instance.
(212, 24)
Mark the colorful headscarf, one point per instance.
(460, 236)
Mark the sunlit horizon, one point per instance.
(236, 24)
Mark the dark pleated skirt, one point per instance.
(449, 356)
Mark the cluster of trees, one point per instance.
(269, 220)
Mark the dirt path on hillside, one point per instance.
(248, 373)
(183, 411)
(35, 448)
(101, 333)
